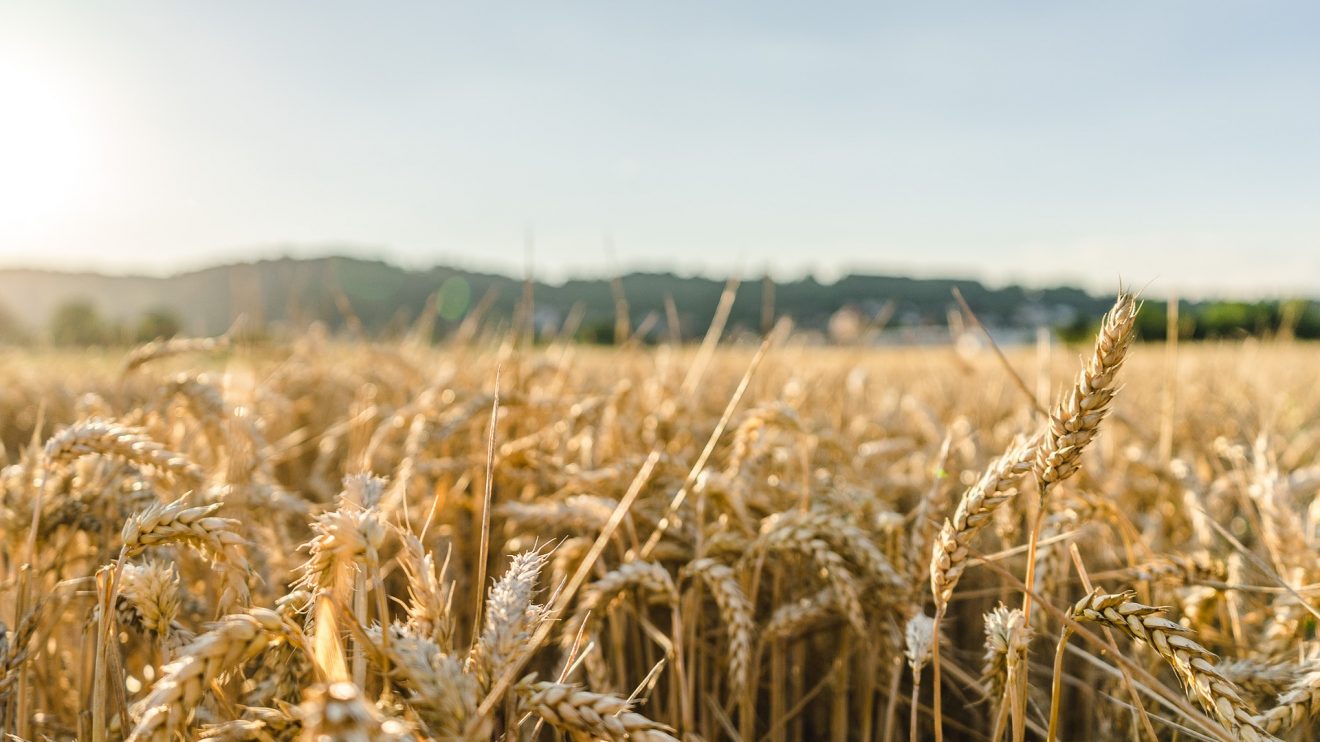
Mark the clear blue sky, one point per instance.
(1171, 142)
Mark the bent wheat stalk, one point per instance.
(949, 555)
(1074, 422)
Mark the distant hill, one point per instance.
(384, 298)
(297, 291)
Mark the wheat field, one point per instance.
(321, 539)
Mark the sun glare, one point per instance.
(45, 152)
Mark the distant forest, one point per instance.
(375, 299)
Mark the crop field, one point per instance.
(321, 539)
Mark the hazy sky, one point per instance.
(1171, 142)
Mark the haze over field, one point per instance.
(1016, 142)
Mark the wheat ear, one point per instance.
(438, 688)
(510, 618)
(1006, 640)
(229, 643)
(198, 528)
(338, 713)
(1263, 678)
(131, 444)
(577, 712)
(793, 535)
(648, 577)
(1297, 704)
(996, 486)
(791, 619)
(342, 539)
(735, 611)
(920, 638)
(158, 349)
(1076, 417)
(152, 593)
(1193, 664)
(429, 594)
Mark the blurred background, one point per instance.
(609, 170)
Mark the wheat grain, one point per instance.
(735, 611)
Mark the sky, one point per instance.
(1172, 144)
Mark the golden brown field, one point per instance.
(328, 540)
